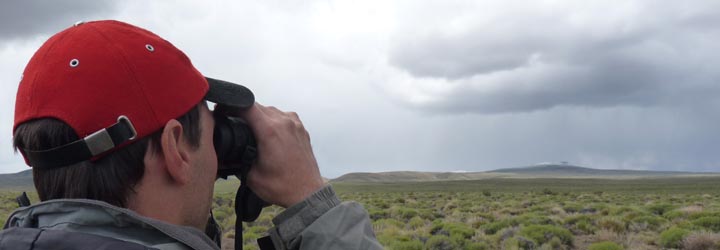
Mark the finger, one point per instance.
(298, 125)
(255, 116)
(294, 115)
(272, 110)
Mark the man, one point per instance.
(113, 120)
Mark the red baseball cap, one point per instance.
(113, 83)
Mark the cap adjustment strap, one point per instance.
(84, 149)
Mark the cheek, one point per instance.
(210, 154)
(212, 159)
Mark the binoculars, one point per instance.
(236, 151)
(235, 144)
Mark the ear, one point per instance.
(175, 152)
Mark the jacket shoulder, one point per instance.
(39, 239)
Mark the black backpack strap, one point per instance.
(23, 200)
(213, 230)
(265, 243)
(18, 238)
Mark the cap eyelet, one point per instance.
(149, 47)
(74, 63)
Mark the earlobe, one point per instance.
(175, 153)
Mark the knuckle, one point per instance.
(268, 131)
(274, 109)
(289, 123)
(294, 115)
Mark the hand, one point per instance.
(286, 171)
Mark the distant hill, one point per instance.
(570, 170)
(410, 176)
(538, 171)
(22, 181)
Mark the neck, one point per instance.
(157, 203)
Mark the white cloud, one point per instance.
(469, 56)
(13, 57)
(437, 86)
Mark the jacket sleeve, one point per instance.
(322, 222)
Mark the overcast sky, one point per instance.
(439, 85)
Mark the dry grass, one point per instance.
(701, 241)
(692, 209)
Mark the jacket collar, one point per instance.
(97, 217)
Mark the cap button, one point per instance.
(78, 23)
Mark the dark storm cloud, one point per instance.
(23, 18)
(526, 63)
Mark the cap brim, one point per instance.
(230, 94)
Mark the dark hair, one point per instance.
(111, 178)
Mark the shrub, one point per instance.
(377, 214)
(580, 223)
(416, 222)
(660, 209)
(605, 245)
(511, 244)
(672, 238)
(382, 205)
(651, 220)
(405, 213)
(671, 215)
(250, 247)
(220, 214)
(534, 219)
(459, 229)
(620, 210)
(694, 216)
(708, 222)
(494, 227)
(525, 243)
(572, 220)
(227, 223)
(255, 229)
(387, 223)
(458, 241)
(406, 245)
(585, 227)
(554, 243)
(541, 234)
(477, 246)
(572, 208)
(249, 238)
(612, 224)
(701, 241)
(439, 242)
(547, 191)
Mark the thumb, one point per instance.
(254, 116)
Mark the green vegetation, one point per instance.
(542, 234)
(672, 238)
(592, 214)
(708, 222)
(605, 245)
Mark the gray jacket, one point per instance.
(319, 222)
